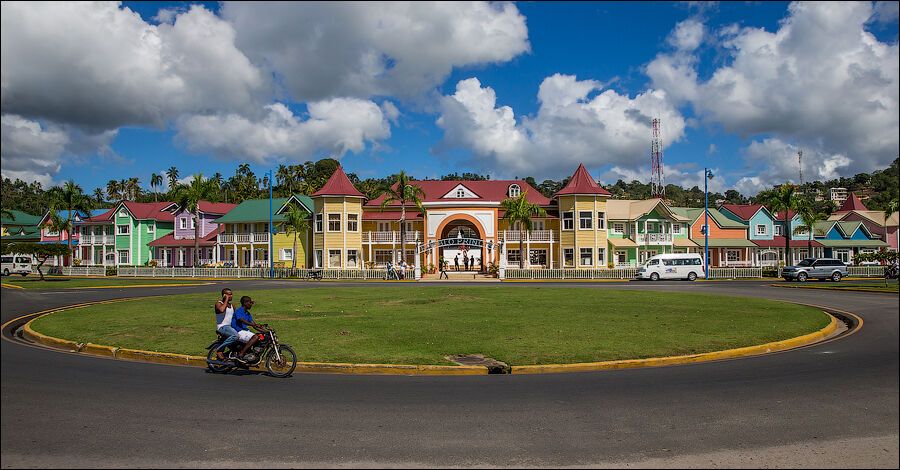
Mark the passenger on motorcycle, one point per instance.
(224, 312)
(242, 319)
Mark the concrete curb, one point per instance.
(197, 361)
(838, 289)
(411, 369)
(776, 346)
(11, 286)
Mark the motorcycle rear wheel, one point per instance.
(286, 366)
(219, 369)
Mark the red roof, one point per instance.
(780, 216)
(487, 190)
(150, 210)
(853, 203)
(390, 215)
(100, 219)
(169, 240)
(778, 242)
(339, 185)
(216, 207)
(744, 211)
(582, 183)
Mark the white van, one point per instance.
(15, 264)
(672, 266)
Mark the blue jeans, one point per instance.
(232, 339)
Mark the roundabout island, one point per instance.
(446, 326)
(831, 404)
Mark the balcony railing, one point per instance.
(533, 236)
(654, 238)
(260, 237)
(97, 239)
(391, 237)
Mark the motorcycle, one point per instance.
(891, 271)
(280, 359)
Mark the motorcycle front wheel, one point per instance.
(219, 369)
(284, 367)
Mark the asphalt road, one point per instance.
(832, 405)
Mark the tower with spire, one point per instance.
(337, 224)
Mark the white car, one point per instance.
(15, 264)
(672, 266)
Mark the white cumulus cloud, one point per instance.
(821, 81)
(570, 127)
(362, 49)
(333, 126)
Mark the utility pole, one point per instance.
(657, 180)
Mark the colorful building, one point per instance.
(728, 243)
(21, 227)
(177, 248)
(641, 229)
(762, 228)
(48, 235)
(880, 226)
(121, 236)
(243, 234)
(844, 240)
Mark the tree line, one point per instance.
(308, 177)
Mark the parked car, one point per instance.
(15, 264)
(672, 266)
(816, 268)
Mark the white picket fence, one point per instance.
(735, 273)
(232, 273)
(80, 270)
(866, 271)
(618, 273)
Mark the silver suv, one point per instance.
(818, 268)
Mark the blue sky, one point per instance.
(610, 43)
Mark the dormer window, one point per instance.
(514, 190)
(460, 193)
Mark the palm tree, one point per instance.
(155, 181)
(519, 213)
(404, 193)
(295, 221)
(172, 173)
(123, 188)
(59, 225)
(98, 195)
(810, 217)
(134, 188)
(113, 190)
(785, 199)
(7, 214)
(890, 208)
(70, 197)
(188, 197)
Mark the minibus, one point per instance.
(15, 264)
(672, 266)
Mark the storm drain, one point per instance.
(493, 366)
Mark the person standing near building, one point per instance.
(444, 269)
(472, 261)
(466, 261)
(456, 261)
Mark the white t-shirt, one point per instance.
(224, 319)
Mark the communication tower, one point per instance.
(657, 178)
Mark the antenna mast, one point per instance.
(657, 180)
(800, 164)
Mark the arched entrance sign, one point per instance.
(455, 242)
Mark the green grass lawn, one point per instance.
(60, 282)
(869, 286)
(422, 324)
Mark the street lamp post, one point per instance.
(271, 230)
(707, 175)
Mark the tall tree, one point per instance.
(71, 198)
(785, 199)
(98, 196)
(519, 213)
(404, 193)
(188, 197)
(172, 173)
(296, 221)
(134, 188)
(113, 190)
(156, 180)
(810, 216)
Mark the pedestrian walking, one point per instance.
(472, 262)
(444, 270)
(466, 262)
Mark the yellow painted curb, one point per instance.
(837, 288)
(433, 370)
(11, 286)
(687, 359)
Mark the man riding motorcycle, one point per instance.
(240, 321)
